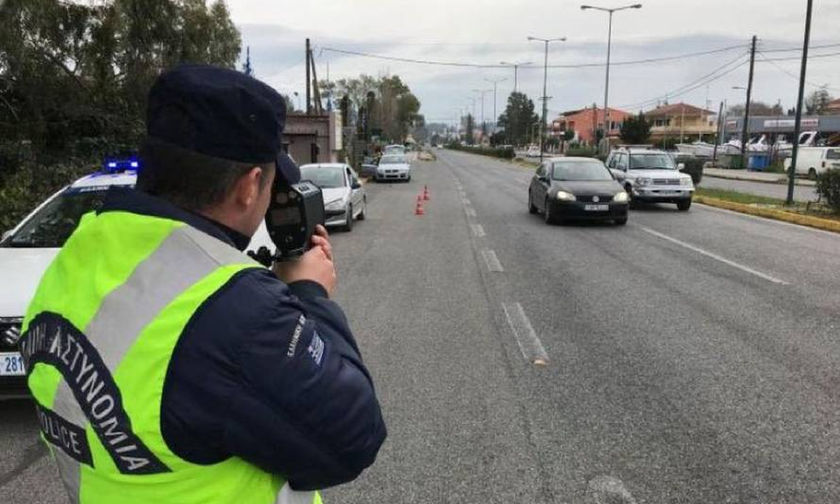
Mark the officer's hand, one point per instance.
(322, 239)
(314, 265)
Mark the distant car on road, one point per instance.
(651, 176)
(812, 161)
(344, 197)
(393, 167)
(533, 151)
(576, 188)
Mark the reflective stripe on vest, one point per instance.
(99, 335)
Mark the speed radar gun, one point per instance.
(291, 218)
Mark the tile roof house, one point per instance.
(681, 121)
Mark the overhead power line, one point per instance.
(570, 65)
(798, 58)
(799, 49)
(792, 75)
(708, 78)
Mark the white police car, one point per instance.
(27, 250)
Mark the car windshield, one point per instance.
(392, 160)
(652, 161)
(325, 177)
(580, 170)
(52, 225)
(832, 154)
(394, 149)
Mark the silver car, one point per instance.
(344, 197)
(651, 176)
(393, 167)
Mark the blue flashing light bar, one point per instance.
(120, 165)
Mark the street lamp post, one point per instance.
(545, 83)
(482, 92)
(515, 71)
(609, 44)
(495, 82)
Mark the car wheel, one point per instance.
(363, 213)
(408, 179)
(684, 205)
(549, 218)
(620, 222)
(531, 208)
(348, 223)
(812, 174)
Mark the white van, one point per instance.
(812, 161)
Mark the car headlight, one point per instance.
(620, 197)
(687, 182)
(643, 181)
(335, 205)
(565, 196)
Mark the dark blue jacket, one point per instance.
(267, 372)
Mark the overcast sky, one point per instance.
(491, 31)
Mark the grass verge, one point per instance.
(805, 214)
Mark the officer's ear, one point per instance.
(249, 186)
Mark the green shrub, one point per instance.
(828, 188)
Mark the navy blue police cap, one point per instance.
(221, 113)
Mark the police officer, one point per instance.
(167, 366)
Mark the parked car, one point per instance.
(28, 249)
(812, 161)
(393, 149)
(393, 167)
(652, 176)
(344, 197)
(533, 151)
(576, 188)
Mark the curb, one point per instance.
(772, 213)
(745, 179)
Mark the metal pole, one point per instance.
(745, 131)
(607, 87)
(515, 79)
(798, 122)
(545, 101)
(308, 82)
(719, 132)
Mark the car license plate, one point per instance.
(596, 208)
(11, 364)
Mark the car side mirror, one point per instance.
(355, 185)
(680, 166)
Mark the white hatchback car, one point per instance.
(28, 249)
(344, 197)
(393, 167)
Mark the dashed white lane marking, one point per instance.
(714, 256)
(470, 212)
(492, 261)
(526, 337)
(609, 490)
(478, 230)
(466, 202)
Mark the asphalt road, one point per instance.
(690, 357)
(800, 192)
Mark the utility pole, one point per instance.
(545, 84)
(308, 99)
(609, 44)
(798, 121)
(515, 69)
(495, 81)
(719, 132)
(745, 131)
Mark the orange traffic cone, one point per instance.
(426, 192)
(418, 210)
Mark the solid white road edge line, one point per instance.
(526, 337)
(478, 230)
(470, 211)
(714, 256)
(492, 261)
